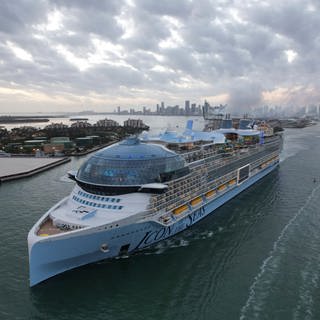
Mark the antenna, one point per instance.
(213, 115)
(210, 113)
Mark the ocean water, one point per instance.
(256, 257)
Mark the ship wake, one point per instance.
(265, 281)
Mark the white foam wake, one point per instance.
(310, 282)
(259, 289)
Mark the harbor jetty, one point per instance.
(12, 168)
(22, 119)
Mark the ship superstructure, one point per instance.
(140, 191)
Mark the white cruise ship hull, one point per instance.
(49, 256)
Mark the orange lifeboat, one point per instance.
(196, 201)
(180, 210)
(222, 188)
(211, 193)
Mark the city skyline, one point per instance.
(187, 109)
(55, 57)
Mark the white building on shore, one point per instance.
(106, 123)
(134, 123)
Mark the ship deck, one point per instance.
(48, 229)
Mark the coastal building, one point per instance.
(81, 124)
(53, 149)
(14, 147)
(134, 123)
(60, 140)
(33, 145)
(58, 144)
(56, 126)
(106, 123)
(87, 142)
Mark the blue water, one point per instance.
(257, 257)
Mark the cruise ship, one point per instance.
(139, 191)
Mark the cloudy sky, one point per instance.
(67, 55)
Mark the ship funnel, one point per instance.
(189, 125)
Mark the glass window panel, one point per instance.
(127, 172)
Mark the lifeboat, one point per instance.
(210, 193)
(232, 182)
(196, 201)
(180, 210)
(222, 188)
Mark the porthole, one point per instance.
(104, 247)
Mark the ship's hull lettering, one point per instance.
(154, 236)
(195, 216)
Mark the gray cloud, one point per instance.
(18, 16)
(244, 95)
(177, 8)
(168, 50)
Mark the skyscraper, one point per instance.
(162, 108)
(187, 107)
(193, 108)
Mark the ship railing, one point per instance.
(203, 153)
(201, 162)
(183, 196)
(185, 187)
(271, 138)
(229, 165)
(231, 172)
(198, 155)
(258, 162)
(234, 156)
(216, 164)
(250, 148)
(182, 190)
(221, 180)
(219, 161)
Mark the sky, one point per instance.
(96, 55)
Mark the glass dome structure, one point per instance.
(129, 163)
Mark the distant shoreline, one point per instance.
(75, 114)
(20, 120)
